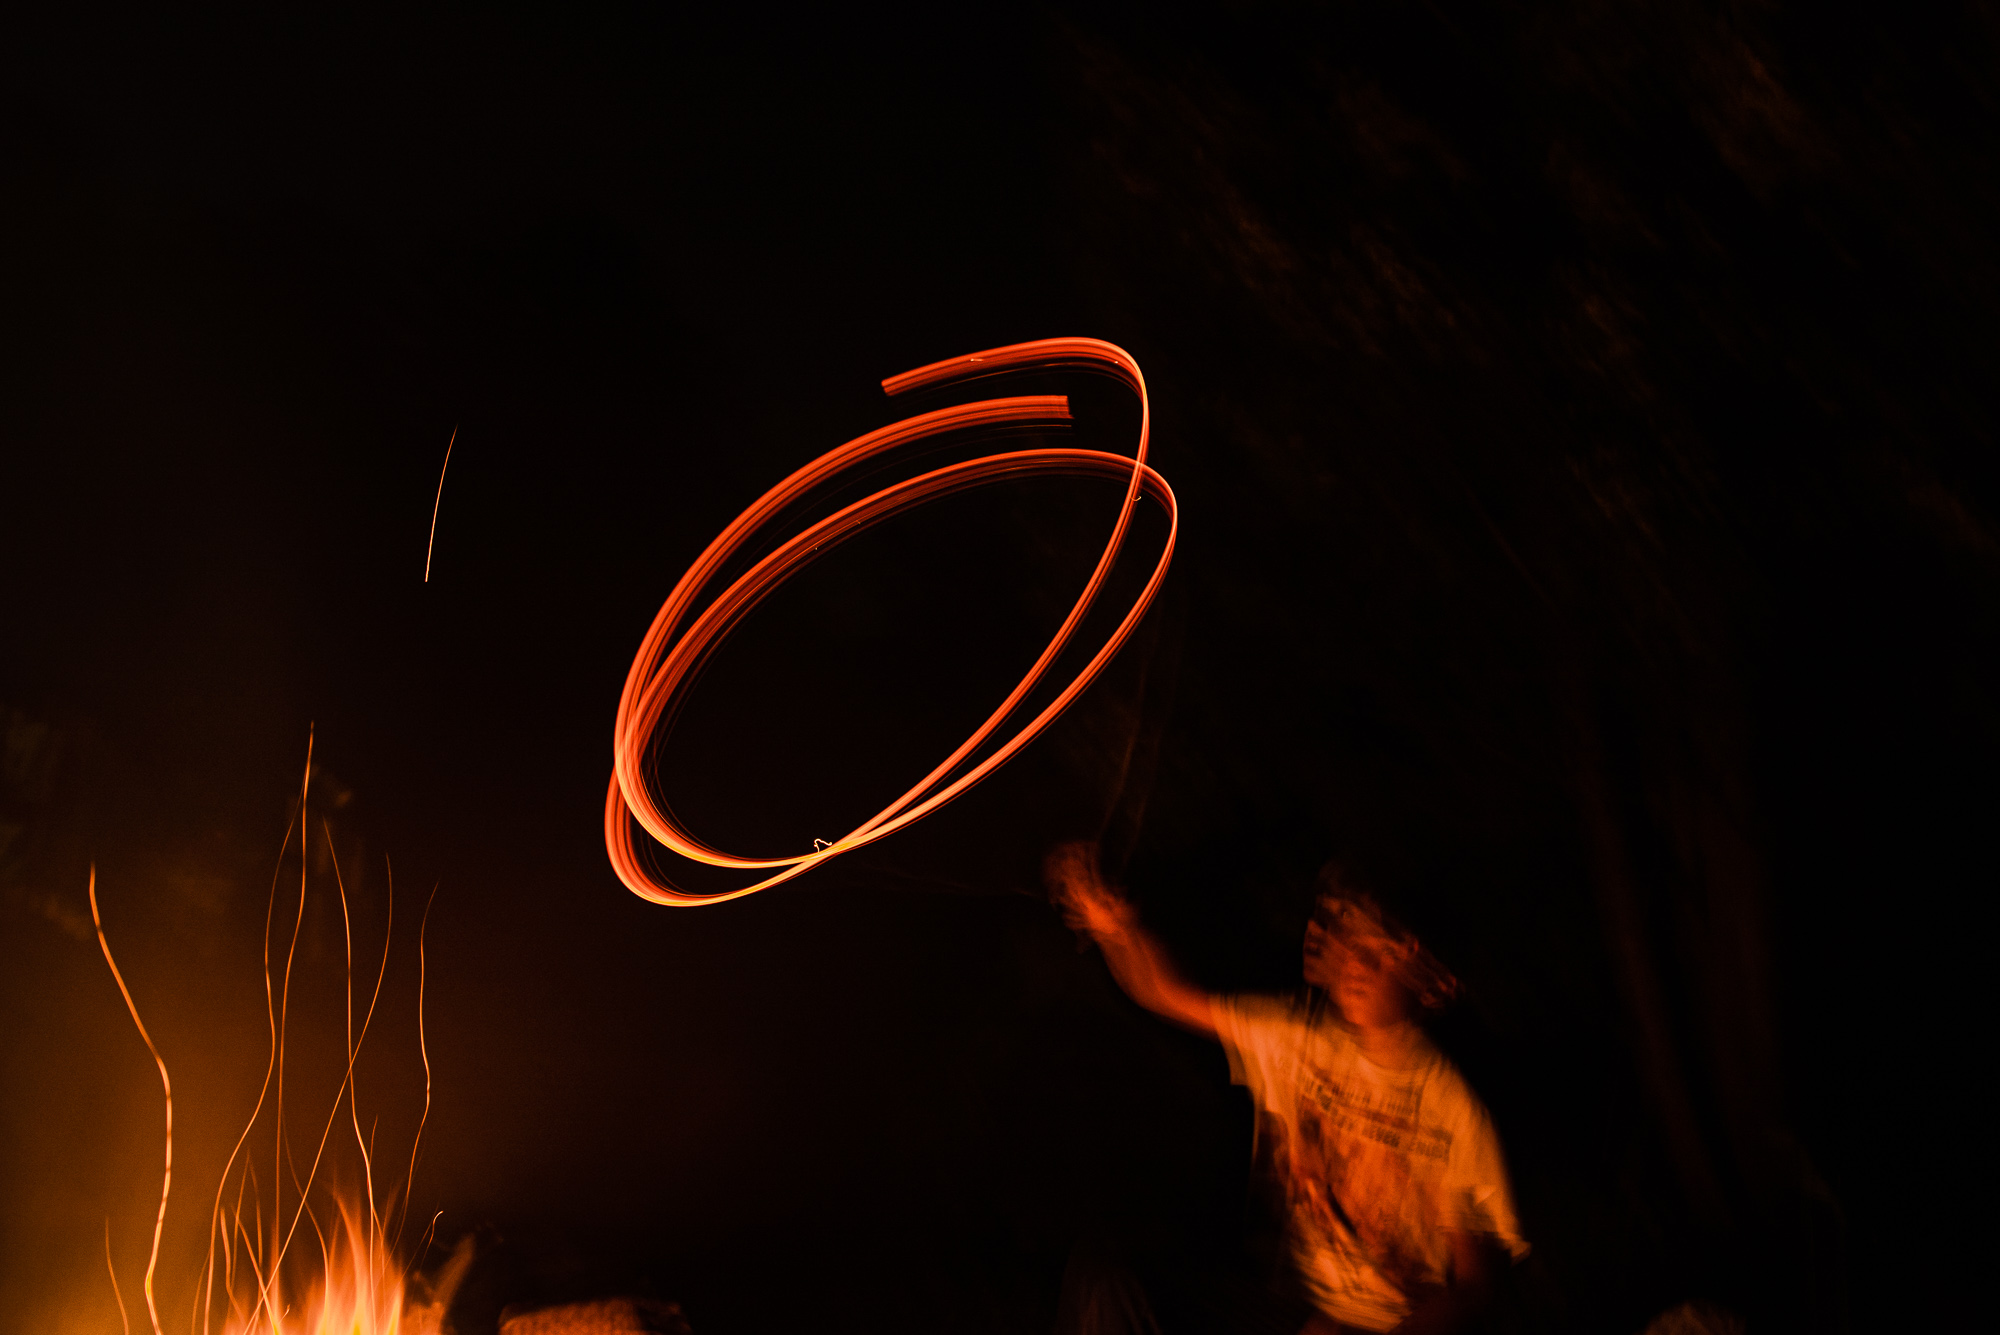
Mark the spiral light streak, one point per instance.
(687, 632)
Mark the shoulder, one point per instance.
(1260, 1007)
(1447, 1090)
(1455, 1107)
(1255, 1020)
(1264, 1010)
(1263, 1036)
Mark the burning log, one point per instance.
(608, 1316)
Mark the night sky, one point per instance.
(1583, 423)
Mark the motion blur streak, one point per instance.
(681, 640)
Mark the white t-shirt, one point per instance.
(1377, 1164)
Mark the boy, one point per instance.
(1398, 1212)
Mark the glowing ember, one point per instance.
(681, 638)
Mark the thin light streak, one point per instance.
(437, 503)
(123, 1318)
(167, 1179)
(353, 1047)
(359, 1286)
(280, 1148)
(270, 1068)
(281, 1245)
(424, 1050)
(683, 636)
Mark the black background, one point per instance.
(1582, 418)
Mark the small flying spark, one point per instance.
(429, 546)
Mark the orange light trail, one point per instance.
(166, 1085)
(686, 632)
(437, 504)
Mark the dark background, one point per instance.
(1582, 418)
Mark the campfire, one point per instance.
(293, 1249)
(288, 1252)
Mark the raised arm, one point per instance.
(1137, 959)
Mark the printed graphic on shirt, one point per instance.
(1364, 1172)
(1378, 1166)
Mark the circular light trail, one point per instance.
(687, 631)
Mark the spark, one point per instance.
(272, 1065)
(684, 635)
(429, 546)
(423, 1050)
(123, 1319)
(167, 1180)
(359, 1286)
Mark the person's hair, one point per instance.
(1346, 908)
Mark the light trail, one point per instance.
(430, 546)
(686, 632)
(167, 1087)
(123, 1320)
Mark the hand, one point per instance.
(1088, 904)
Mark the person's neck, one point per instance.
(1391, 1045)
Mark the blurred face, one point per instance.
(1362, 972)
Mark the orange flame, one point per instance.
(360, 1287)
